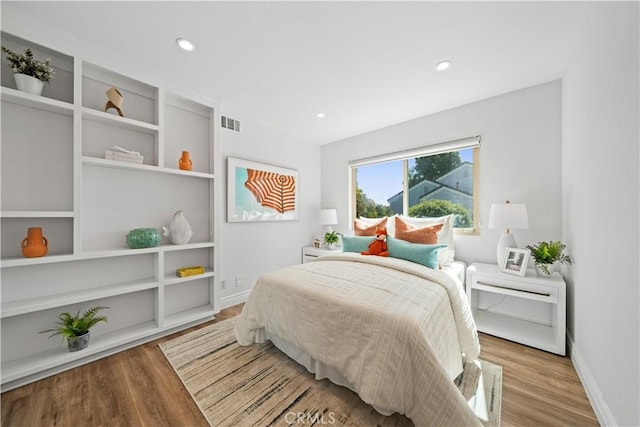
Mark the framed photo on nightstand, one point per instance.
(515, 261)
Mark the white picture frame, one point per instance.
(249, 202)
(515, 261)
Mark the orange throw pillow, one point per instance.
(361, 228)
(425, 235)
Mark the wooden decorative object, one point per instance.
(115, 101)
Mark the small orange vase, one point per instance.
(185, 162)
(35, 244)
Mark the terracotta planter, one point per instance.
(35, 244)
(185, 162)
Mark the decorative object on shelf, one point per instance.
(190, 271)
(184, 162)
(179, 231)
(29, 73)
(331, 238)
(35, 244)
(317, 243)
(515, 261)
(506, 216)
(140, 238)
(76, 328)
(259, 192)
(115, 101)
(545, 254)
(123, 155)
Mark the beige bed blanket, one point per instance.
(394, 329)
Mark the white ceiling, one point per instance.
(365, 64)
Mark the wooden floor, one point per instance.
(138, 387)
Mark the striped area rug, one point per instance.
(259, 385)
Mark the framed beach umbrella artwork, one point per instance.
(260, 192)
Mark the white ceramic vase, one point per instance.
(542, 273)
(179, 231)
(28, 84)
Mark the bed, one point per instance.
(393, 331)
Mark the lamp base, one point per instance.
(506, 241)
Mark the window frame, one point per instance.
(429, 150)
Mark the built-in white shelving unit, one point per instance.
(55, 176)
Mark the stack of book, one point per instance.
(189, 271)
(123, 155)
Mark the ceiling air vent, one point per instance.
(231, 124)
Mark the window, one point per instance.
(427, 182)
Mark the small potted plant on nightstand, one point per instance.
(76, 328)
(545, 254)
(330, 239)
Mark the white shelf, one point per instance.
(30, 305)
(121, 122)
(147, 168)
(49, 259)
(37, 214)
(189, 316)
(34, 101)
(518, 330)
(15, 369)
(87, 202)
(177, 280)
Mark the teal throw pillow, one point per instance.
(356, 243)
(426, 255)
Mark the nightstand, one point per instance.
(310, 253)
(547, 334)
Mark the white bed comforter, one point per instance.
(396, 337)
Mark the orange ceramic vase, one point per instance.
(185, 162)
(35, 244)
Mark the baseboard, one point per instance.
(600, 407)
(231, 300)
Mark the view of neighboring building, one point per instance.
(455, 186)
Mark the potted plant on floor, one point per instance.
(545, 254)
(76, 328)
(29, 73)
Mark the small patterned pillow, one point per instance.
(426, 235)
(362, 228)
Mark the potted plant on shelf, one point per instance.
(330, 239)
(76, 328)
(545, 254)
(29, 73)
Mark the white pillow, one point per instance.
(445, 235)
(391, 223)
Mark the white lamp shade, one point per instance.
(508, 215)
(328, 217)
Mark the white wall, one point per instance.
(520, 159)
(600, 198)
(250, 249)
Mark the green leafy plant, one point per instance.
(25, 63)
(74, 326)
(546, 253)
(331, 237)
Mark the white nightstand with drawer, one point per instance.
(310, 253)
(548, 335)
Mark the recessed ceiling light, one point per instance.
(443, 65)
(185, 44)
(320, 115)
